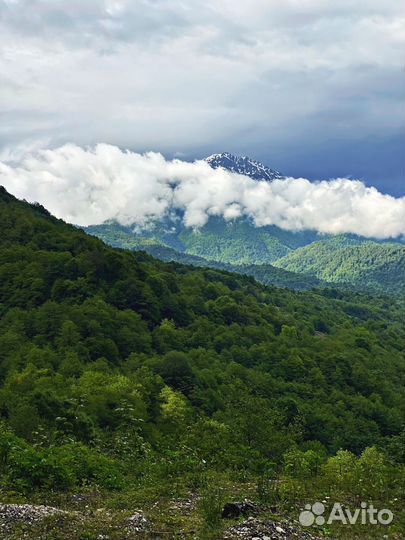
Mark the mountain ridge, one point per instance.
(243, 165)
(239, 245)
(381, 266)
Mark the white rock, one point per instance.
(137, 521)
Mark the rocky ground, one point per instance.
(13, 516)
(27, 522)
(256, 529)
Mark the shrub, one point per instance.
(87, 465)
(25, 468)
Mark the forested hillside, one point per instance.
(311, 259)
(378, 267)
(233, 242)
(118, 370)
(264, 273)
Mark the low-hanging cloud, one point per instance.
(91, 185)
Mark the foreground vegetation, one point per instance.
(143, 382)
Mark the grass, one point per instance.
(181, 510)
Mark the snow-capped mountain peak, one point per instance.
(243, 165)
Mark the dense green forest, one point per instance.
(124, 372)
(232, 242)
(378, 267)
(311, 259)
(265, 273)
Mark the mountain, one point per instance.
(366, 265)
(234, 246)
(264, 252)
(239, 245)
(126, 381)
(233, 242)
(243, 165)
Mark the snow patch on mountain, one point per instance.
(243, 165)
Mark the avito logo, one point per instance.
(367, 514)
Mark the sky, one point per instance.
(93, 92)
(312, 88)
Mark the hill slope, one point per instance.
(123, 373)
(50, 269)
(368, 265)
(264, 273)
(233, 242)
(312, 259)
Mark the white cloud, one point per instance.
(89, 186)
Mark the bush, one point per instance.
(25, 468)
(87, 465)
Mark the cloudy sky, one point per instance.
(313, 88)
(91, 185)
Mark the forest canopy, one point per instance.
(117, 357)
